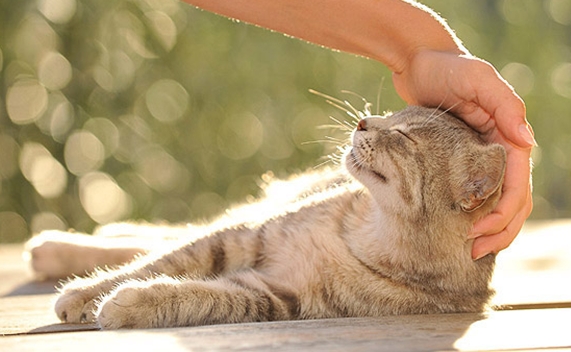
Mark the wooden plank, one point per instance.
(33, 314)
(534, 271)
(506, 330)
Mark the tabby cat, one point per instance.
(387, 237)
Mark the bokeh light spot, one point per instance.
(9, 150)
(171, 209)
(101, 197)
(240, 137)
(206, 204)
(47, 221)
(164, 28)
(83, 152)
(115, 72)
(61, 121)
(518, 12)
(106, 132)
(34, 38)
(57, 11)
(44, 172)
(167, 100)
(561, 79)
(161, 171)
(560, 11)
(520, 76)
(54, 71)
(26, 101)
(12, 227)
(276, 144)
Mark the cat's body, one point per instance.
(393, 241)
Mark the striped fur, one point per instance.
(388, 237)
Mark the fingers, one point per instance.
(498, 229)
(511, 121)
(516, 193)
(475, 91)
(485, 245)
(470, 87)
(498, 98)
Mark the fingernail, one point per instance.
(482, 255)
(527, 135)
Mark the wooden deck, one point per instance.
(533, 281)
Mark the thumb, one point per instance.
(511, 121)
(506, 107)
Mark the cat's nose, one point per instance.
(362, 125)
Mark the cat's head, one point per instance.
(425, 163)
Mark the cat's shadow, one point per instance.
(33, 287)
(390, 333)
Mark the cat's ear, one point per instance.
(484, 175)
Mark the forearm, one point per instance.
(390, 31)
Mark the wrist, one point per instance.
(424, 31)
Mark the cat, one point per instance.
(384, 234)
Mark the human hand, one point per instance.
(473, 90)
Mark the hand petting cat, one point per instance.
(431, 68)
(473, 90)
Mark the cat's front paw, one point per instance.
(77, 305)
(131, 305)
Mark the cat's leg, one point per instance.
(225, 251)
(57, 254)
(166, 302)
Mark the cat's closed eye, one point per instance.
(406, 135)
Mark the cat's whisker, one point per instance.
(350, 92)
(351, 112)
(356, 112)
(379, 96)
(345, 129)
(326, 96)
(345, 105)
(338, 103)
(344, 122)
(335, 158)
(335, 139)
(366, 106)
(437, 112)
(328, 160)
(449, 109)
(322, 141)
(439, 109)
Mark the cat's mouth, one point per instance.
(358, 166)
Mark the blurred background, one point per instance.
(154, 110)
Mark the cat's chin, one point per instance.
(360, 171)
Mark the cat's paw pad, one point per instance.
(126, 307)
(76, 306)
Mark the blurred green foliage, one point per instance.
(154, 110)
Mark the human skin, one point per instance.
(430, 67)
